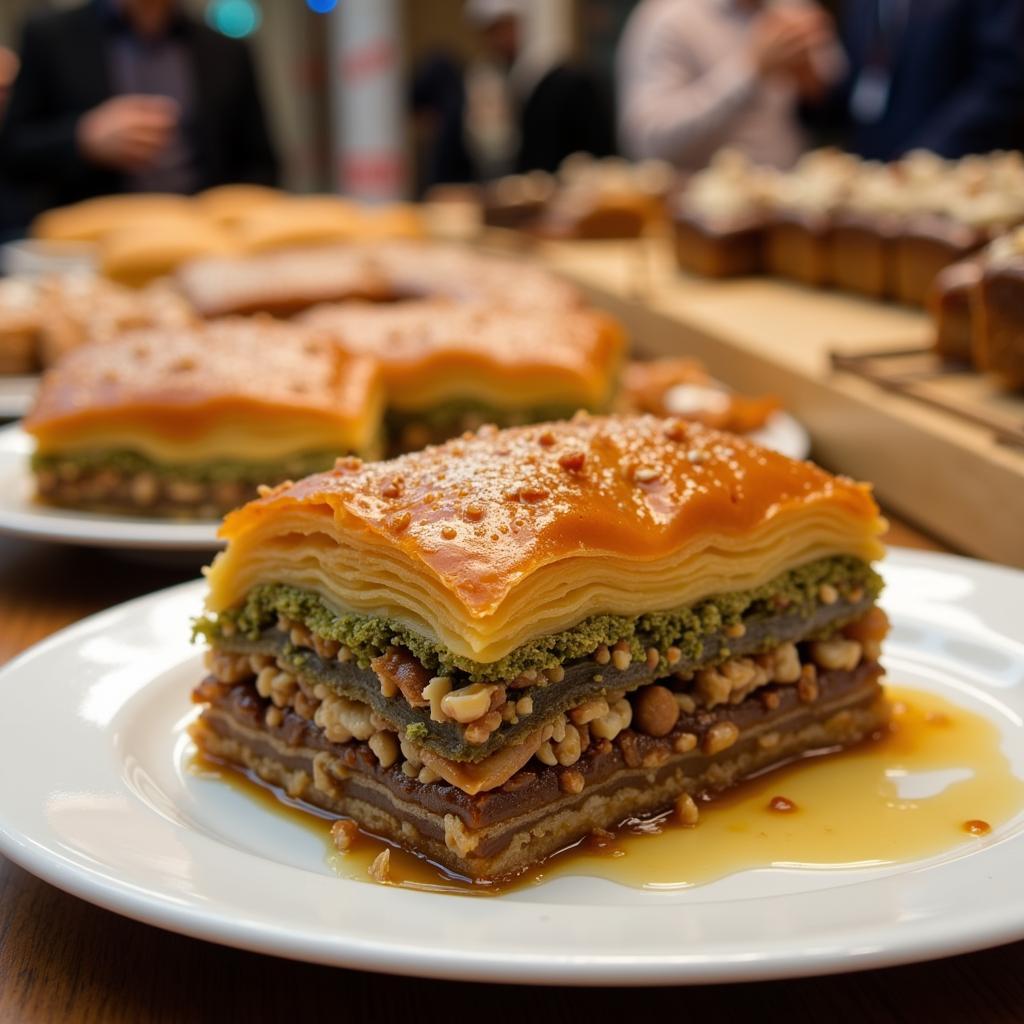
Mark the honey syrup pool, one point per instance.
(935, 780)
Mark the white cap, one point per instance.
(486, 12)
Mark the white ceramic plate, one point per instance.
(21, 514)
(17, 395)
(781, 432)
(784, 434)
(104, 807)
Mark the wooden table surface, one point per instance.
(62, 959)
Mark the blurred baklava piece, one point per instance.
(720, 219)
(486, 650)
(20, 326)
(449, 367)
(189, 422)
(287, 282)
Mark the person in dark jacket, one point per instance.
(131, 95)
(508, 112)
(943, 75)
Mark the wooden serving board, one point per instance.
(959, 476)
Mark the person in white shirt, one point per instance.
(697, 75)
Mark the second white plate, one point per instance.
(21, 514)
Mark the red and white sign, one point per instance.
(367, 109)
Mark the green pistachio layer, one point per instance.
(796, 592)
(131, 464)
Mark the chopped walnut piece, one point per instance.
(588, 711)
(571, 781)
(343, 834)
(479, 731)
(684, 743)
(398, 670)
(457, 838)
(807, 687)
(385, 748)
(720, 736)
(619, 717)
(435, 691)
(836, 653)
(468, 703)
(686, 811)
(380, 869)
(569, 749)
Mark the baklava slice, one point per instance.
(448, 367)
(289, 281)
(484, 651)
(20, 325)
(190, 421)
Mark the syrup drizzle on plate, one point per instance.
(935, 780)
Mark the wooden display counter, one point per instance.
(951, 476)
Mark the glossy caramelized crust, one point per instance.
(491, 540)
(432, 351)
(238, 389)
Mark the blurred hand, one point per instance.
(783, 39)
(127, 133)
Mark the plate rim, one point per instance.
(1002, 924)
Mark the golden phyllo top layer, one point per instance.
(491, 540)
(435, 350)
(237, 388)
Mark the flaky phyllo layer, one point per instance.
(484, 545)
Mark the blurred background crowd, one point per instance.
(391, 98)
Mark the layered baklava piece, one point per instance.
(20, 325)
(720, 218)
(292, 280)
(448, 367)
(484, 651)
(190, 421)
(280, 283)
(41, 318)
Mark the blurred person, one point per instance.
(943, 75)
(697, 75)
(131, 95)
(12, 213)
(9, 65)
(508, 112)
